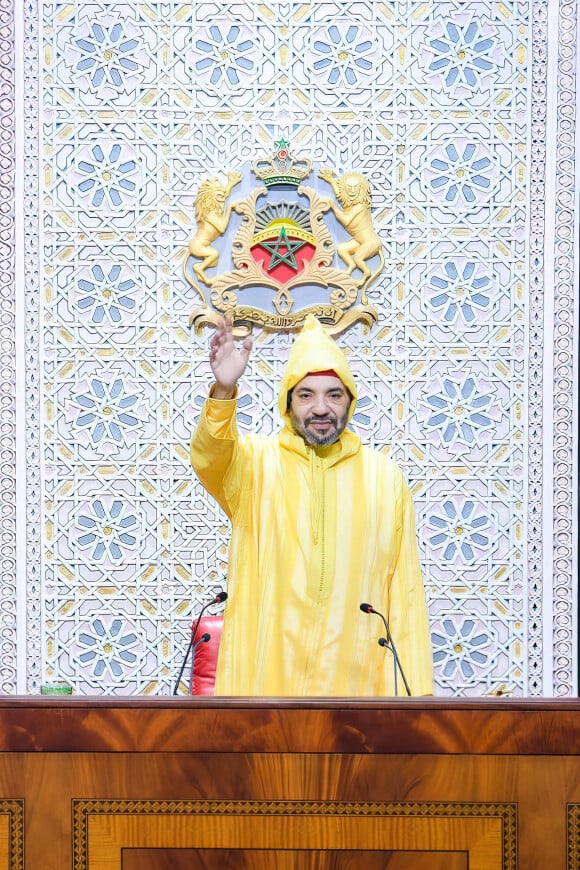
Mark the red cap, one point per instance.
(329, 373)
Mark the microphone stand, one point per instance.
(206, 636)
(178, 680)
(388, 643)
(221, 596)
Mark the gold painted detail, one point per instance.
(353, 193)
(212, 218)
(285, 247)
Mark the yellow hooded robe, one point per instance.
(316, 531)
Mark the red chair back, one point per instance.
(204, 666)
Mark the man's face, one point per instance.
(319, 409)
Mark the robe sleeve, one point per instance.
(407, 609)
(216, 454)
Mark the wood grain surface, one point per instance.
(173, 724)
(154, 783)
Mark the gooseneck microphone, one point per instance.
(388, 643)
(203, 639)
(219, 598)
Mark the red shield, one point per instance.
(283, 251)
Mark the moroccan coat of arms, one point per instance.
(300, 241)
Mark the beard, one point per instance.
(319, 439)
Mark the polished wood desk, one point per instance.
(409, 784)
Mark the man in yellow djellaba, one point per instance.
(320, 524)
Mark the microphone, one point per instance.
(388, 643)
(203, 639)
(221, 596)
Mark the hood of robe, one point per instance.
(314, 350)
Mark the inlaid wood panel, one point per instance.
(540, 788)
(485, 832)
(573, 836)
(154, 785)
(11, 835)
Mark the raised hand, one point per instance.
(227, 362)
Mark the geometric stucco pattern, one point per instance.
(535, 513)
(564, 469)
(31, 375)
(432, 102)
(8, 648)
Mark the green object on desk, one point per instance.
(55, 689)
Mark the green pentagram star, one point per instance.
(282, 145)
(286, 257)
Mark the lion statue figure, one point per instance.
(212, 218)
(353, 193)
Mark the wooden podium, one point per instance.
(403, 784)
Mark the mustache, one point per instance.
(320, 418)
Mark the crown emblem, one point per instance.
(281, 167)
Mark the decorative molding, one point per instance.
(535, 384)
(565, 447)
(12, 834)
(486, 831)
(32, 339)
(573, 838)
(8, 355)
